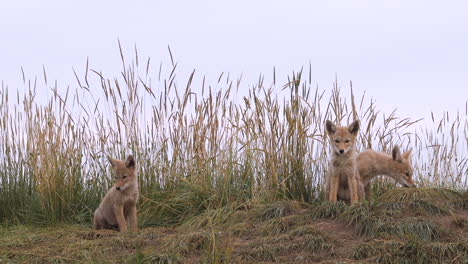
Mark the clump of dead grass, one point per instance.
(208, 218)
(241, 229)
(374, 220)
(439, 195)
(158, 258)
(425, 201)
(411, 251)
(451, 252)
(305, 230)
(462, 203)
(281, 225)
(317, 244)
(278, 209)
(328, 210)
(189, 243)
(258, 253)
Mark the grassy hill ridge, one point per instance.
(402, 226)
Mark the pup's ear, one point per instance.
(396, 155)
(130, 162)
(331, 128)
(112, 161)
(354, 127)
(407, 154)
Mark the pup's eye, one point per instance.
(337, 141)
(346, 141)
(124, 177)
(407, 174)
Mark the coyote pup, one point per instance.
(398, 166)
(342, 172)
(119, 205)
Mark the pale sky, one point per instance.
(410, 55)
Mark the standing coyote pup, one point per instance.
(397, 166)
(342, 172)
(119, 205)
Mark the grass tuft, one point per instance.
(374, 220)
(278, 209)
(462, 203)
(328, 210)
(163, 258)
(316, 243)
(241, 229)
(305, 230)
(436, 195)
(189, 243)
(429, 208)
(175, 206)
(259, 253)
(453, 252)
(411, 251)
(281, 225)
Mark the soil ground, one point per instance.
(281, 232)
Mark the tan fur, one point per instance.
(398, 166)
(342, 180)
(119, 205)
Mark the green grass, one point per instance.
(219, 164)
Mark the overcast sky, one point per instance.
(410, 55)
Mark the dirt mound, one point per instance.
(395, 229)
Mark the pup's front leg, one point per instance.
(98, 220)
(334, 184)
(353, 188)
(119, 215)
(132, 217)
(361, 191)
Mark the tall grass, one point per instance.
(196, 145)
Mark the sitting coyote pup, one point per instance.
(342, 172)
(398, 166)
(119, 205)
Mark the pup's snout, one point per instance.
(118, 188)
(341, 151)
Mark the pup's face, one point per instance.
(342, 139)
(124, 172)
(401, 169)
